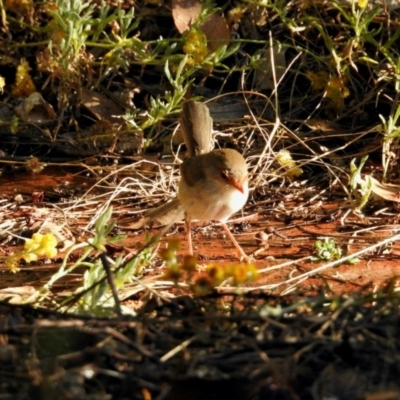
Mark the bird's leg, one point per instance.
(243, 255)
(188, 224)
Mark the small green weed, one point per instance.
(327, 250)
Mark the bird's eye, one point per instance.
(224, 175)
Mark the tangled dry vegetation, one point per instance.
(249, 347)
(308, 91)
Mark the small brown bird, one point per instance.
(214, 183)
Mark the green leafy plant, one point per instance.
(95, 295)
(327, 250)
(170, 102)
(391, 135)
(360, 188)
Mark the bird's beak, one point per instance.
(236, 184)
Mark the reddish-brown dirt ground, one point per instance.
(288, 242)
(308, 345)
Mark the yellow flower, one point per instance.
(34, 243)
(40, 245)
(242, 273)
(173, 272)
(236, 14)
(217, 274)
(362, 3)
(195, 46)
(291, 169)
(24, 85)
(11, 263)
(49, 244)
(334, 87)
(28, 257)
